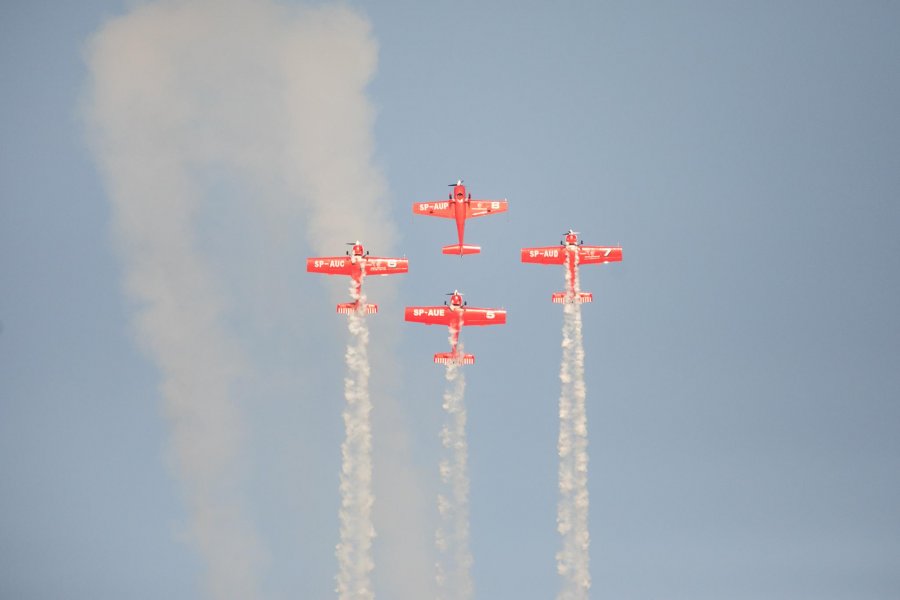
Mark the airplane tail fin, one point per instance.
(448, 358)
(578, 298)
(352, 307)
(461, 249)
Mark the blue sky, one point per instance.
(743, 361)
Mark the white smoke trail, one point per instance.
(145, 140)
(354, 552)
(573, 559)
(452, 538)
(275, 97)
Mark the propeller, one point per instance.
(456, 293)
(356, 243)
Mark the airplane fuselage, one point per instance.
(357, 271)
(572, 266)
(460, 198)
(460, 209)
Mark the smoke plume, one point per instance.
(452, 538)
(354, 552)
(187, 97)
(573, 559)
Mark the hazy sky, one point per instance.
(742, 362)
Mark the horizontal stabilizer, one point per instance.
(447, 358)
(579, 298)
(461, 249)
(352, 307)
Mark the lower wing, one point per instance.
(329, 265)
(548, 255)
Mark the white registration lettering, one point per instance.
(495, 205)
(545, 253)
(489, 314)
(392, 263)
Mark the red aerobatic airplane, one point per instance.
(357, 264)
(455, 315)
(460, 206)
(572, 253)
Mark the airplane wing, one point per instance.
(484, 316)
(435, 209)
(329, 265)
(548, 255)
(591, 255)
(480, 208)
(429, 315)
(386, 266)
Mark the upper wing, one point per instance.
(479, 208)
(590, 255)
(547, 255)
(330, 265)
(386, 266)
(430, 315)
(435, 209)
(484, 316)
